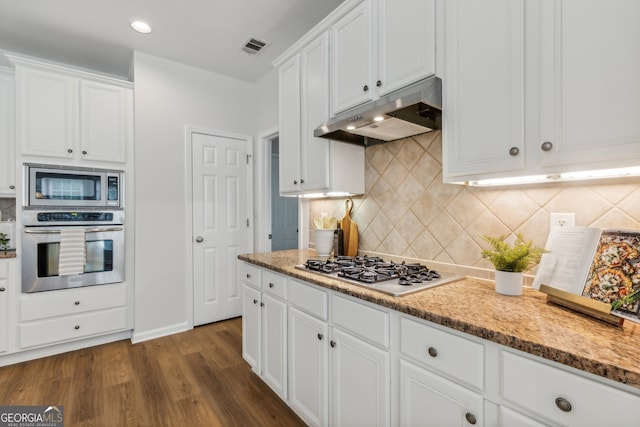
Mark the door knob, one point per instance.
(199, 239)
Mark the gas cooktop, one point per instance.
(374, 273)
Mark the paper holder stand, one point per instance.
(588, 306)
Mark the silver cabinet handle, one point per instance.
(332, 343)
(320, 336)
(546, 146)
(301, 181)
(295, 182)
(432, 352)
(563, 404)
(379, 83)
(248, 276)
(2, 289)
(76, 327)
(76, 303)
(84, 152)
(69, 150)
(514, 151)
(365, 88)
(87, 230)
(271, 285)
(12, 187)
(199, 239)
(255, 301)
(261, 304)
(471, 419)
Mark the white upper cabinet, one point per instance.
(351, 59)
(483, 88)
(309, 164)
(589, 82)
(289, 127)
(7, 135)
(406, 43)
(72, 115)
(540, 87)
(380, 46)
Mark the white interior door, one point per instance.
(220, 224)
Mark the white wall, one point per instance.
(168, 96)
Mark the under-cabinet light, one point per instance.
(565, 176)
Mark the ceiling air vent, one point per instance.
(254, 46)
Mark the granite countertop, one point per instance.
(527, 322)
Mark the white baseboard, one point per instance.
(160, 332)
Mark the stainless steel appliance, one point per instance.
(374, 273)
(406, 112)
(41, 236)
(57, 185)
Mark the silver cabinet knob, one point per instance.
(248, 276)
(546, 146)
(69, 150)
(379, 83)
(563, 404)
(76, 303)
(432, 352)
(295, 182)
(84, 152)
(2, 289)
(261, 304)
(320, 336)
(255, 301)
(199, 239)
(471, 419)
(12, 187)
(332, 343)
(514, 151)
(301, 181)
(271, 285)
(365, 88)
(76, 327)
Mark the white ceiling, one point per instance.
(207, 34)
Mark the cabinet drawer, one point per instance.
(370, 323)
(537, 387)
(308, 298)
(455, 356)
(274, 283)
(250, 273)
(72, 327)
(71, 301)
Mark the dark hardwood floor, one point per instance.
(195, 378)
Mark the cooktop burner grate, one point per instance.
(389, 277)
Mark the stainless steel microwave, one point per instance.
(70, 186)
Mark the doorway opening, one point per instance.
(284, 210)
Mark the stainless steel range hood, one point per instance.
(407, 112)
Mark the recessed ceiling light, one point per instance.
(141, 27)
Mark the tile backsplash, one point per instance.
(408, 211)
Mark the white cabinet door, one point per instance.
(46, 113)
(483, 95)
(6, 277)
(428, 399)
(251, 327)
(359, 382)
(7, 135)
(314, 151)
(289, 106)
(510, 418)
(589, 106)
(274, 344)
(406, 42)
(104, 121)
(308, 369)
(351, 59)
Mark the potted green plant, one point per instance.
(4, 242)
(510, 261)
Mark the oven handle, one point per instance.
(89, 230)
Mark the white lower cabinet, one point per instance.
(562, 397)
(429, 399)
(308, 367)
(346, 355)
(7, 278)
(64, 315)
(359, 382)
(264, 325)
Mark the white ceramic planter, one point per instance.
(324, 241)
(508, 283)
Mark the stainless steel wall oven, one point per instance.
(101, 250)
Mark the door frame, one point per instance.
(263, 172)
(189, 130)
